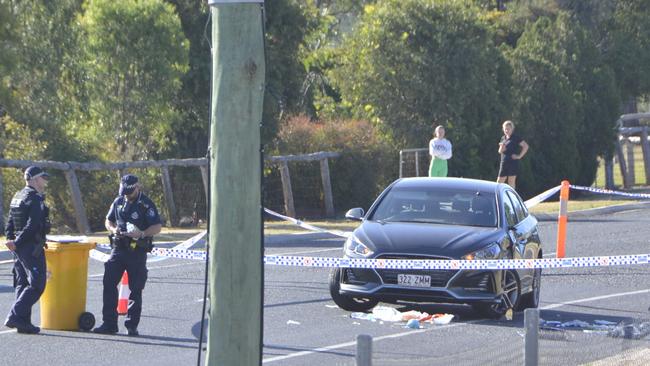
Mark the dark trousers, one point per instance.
(29, 281)
(135, 264)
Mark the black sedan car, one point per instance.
(444, 219)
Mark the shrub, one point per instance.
(359, 174)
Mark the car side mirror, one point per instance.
(355, 214)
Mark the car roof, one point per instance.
(448, 183)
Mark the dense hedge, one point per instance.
(366, 166)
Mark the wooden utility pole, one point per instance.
(235, 242)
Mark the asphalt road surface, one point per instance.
(302, 325)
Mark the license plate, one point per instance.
(414, 280)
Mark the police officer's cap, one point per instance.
(128, 184)
(34, 172)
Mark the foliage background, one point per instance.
(96, 80)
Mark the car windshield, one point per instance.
(433, 205)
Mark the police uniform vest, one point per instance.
(19, 210)
(135, 213)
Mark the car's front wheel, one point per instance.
(531, 299)
(510, 296)
(345, 302)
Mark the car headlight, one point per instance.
(490, 252)
(355, 248)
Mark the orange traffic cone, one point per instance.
(123, 300)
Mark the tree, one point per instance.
(566, 45)
(193, 99)
(135, 56)
(412, 64)
(43, 75)
(628, 47)
(7, 45)
(17, 142)
(545, 115)
(288, 22)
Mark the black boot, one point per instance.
(105, 329)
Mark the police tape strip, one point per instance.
(179, 251)
(608, 191)
(168, 252)
(576, 262)
(307, 226)
(541, 197)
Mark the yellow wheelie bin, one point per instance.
(63, 304)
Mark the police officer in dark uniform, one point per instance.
(26, 228)
(132, 221)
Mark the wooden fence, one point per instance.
(283, 163)
(418, 152)
(625, 136)
(69, 169)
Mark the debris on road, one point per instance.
(389, 314)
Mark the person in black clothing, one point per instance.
(26, 228)
(512, 149)
(132, 221)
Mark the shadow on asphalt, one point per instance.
(143, 339)
(196, 329)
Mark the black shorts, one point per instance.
(508, 168)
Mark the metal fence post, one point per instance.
(364, 350)
(531, 345)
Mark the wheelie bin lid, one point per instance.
(68, 242)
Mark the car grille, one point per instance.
(359, 276)
(439, 277)
(479, 281)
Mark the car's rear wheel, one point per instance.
(531, 299)
(510, 296)
(345, 302)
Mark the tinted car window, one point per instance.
(421, 204)
(519, 207)
(511, 216)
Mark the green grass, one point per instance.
(285, 227)
(554, 207)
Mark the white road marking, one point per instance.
(398, 335)
(555, 306)
(349, 344)
(8, 331)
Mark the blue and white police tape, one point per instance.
(541, 197)
(576, 262)
(179, 251)
(168, 252)
(307, 226)
(608, 191)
